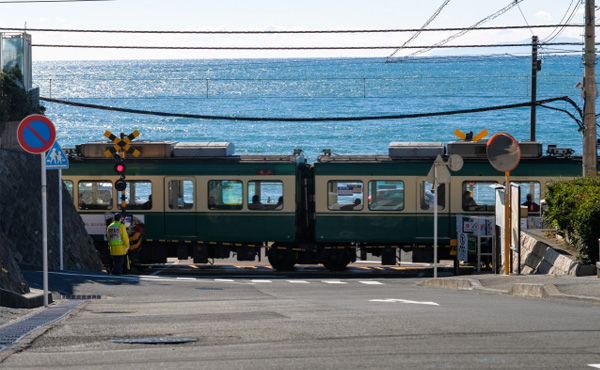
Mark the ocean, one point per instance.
(311, 88)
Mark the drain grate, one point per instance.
(168, 340)
(13, 333)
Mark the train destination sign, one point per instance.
(36, 134)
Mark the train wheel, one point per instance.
(337, 261)
(281, 259)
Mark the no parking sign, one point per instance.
(36, 134)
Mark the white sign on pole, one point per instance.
(56, 158)
(463, 246)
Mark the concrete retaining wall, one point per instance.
(538, 257)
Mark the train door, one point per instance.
(180, 207)
(425, 212)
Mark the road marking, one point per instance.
(394, 300)
(298, 282)
(224, 280)
(185, 278)
(597, 366)
(368, 282)
(334, 282)
(260, 281)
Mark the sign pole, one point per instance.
(507, 225)
(60, 220)
(44, 230)
(435, 220)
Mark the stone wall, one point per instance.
(539, 256)
(21, 217)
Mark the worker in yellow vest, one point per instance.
(118, 243)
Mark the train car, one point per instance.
(195, 199)
(381, 204)
(200, 200)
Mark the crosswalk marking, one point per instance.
(260, 281)
(298, 282)
(334, 282)
(370, 282)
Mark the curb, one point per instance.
(33, 299)
(517, 289)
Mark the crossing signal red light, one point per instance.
(120, 168)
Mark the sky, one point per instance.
(285, 15)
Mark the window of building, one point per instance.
(180, 194)
(138, 195)
(385, 195)
(265, 195)
(427, 196)
(225, 194)
(345, 195)
(478, 196)
(95, 194)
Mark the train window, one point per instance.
(345, 195)
(95, 194)
(181, 194)
(478, 196)
(138, 195)
(225, 194)
(427, 196)
(69, 186)
(265, 195)
(386, 195)
(530, 194)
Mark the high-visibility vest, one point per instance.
(118, 240)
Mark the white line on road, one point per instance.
(185, 278)
(260, 281)
(597, 366)
(224, 280)
(334, 282)
(394, 300)
(368, 282)
(298, 281)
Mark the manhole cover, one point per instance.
(155, 340)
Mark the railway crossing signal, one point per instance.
(469, 135)
(117, 151)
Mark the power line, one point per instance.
(464, 31)
(21, 29)
(46, 1)
(299, 47)
(435, 14)
(315, 119)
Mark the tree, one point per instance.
(15, 103)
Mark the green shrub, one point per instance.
(573, 207)
(14, 101)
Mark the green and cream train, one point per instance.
(200, 200)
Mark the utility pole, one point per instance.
(536, 65)
(589, 93)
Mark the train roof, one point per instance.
(181, 151)
(414, 151)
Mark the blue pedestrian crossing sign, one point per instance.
(56, 158)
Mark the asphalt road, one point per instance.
(293, 322)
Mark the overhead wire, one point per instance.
(525, 19)
(461, 33)
(298, 47)
(435, 14)
(541, 103)
(564, 21)
(269, 32)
